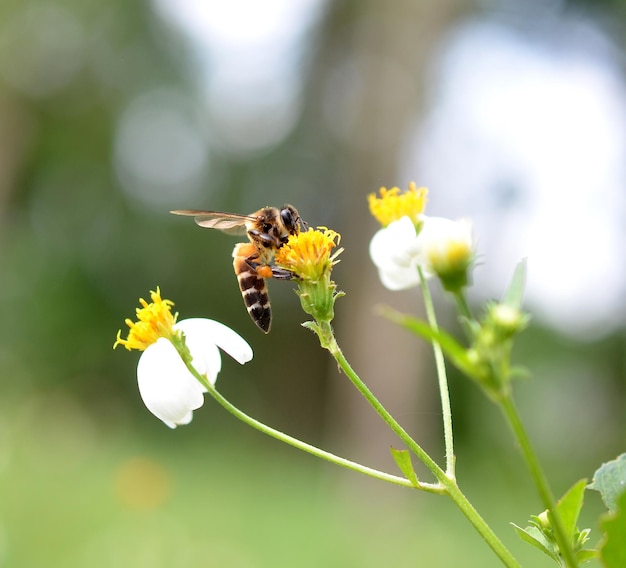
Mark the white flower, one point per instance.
(440, 246)
(167, 387)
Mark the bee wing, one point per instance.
(232, 223)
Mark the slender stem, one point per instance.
(303, 445)
(541, 482)
(463, 503)
(442, 379)
(448, 482)
(462, 305)
(336, 352)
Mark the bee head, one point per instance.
(291, 219)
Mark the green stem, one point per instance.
(543, 488)
(447, 482)
(442, 379)
(463, 306)
(277, 434)
(465, 312)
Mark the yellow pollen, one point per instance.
(308, 253)
(154, 320)
(393, 205)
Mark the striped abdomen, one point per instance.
(252, 286)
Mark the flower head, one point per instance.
(409, 239)
(394, 248)
(154, 320)
(393, 205)
(439, 246)
(505, 320)
(167, 386)
(446, 248)
(308, 253)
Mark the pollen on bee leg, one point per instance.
(264, 271)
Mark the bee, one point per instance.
(267, 229)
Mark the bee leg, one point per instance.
(253, 263)
(270, 271)
(266, 239)
(282, 273)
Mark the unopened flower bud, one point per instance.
(507, 320)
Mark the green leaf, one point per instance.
(586, 555)
(569, 506)
(540, 533)
(610, 481)
(514, 295)
(582, 538)
(532, 535)
(449, 345)
(403, 460)
(613, 551)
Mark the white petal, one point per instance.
(218, 334)
(436, 229)
(206, 357)
(167, 388)
(394, 244)
(394, 251)
(438, 234)
(399, 278)
(379, 248)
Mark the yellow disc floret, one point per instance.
(308, 253)
(154, 320)
(456, 255)
(393, 205)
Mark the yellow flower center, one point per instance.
(307, 253)
(154, 320)
(456, 255)
(393, 205)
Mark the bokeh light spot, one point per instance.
(161, 152)
(142, 483)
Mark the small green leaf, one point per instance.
(403, 460)
(586, 555)
(514, 295)
(610, 481)
(569, 506)
(532, 535)
(613, 550)
(582, 538)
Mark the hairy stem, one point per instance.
(442, 379)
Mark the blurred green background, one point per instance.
(113, 113)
